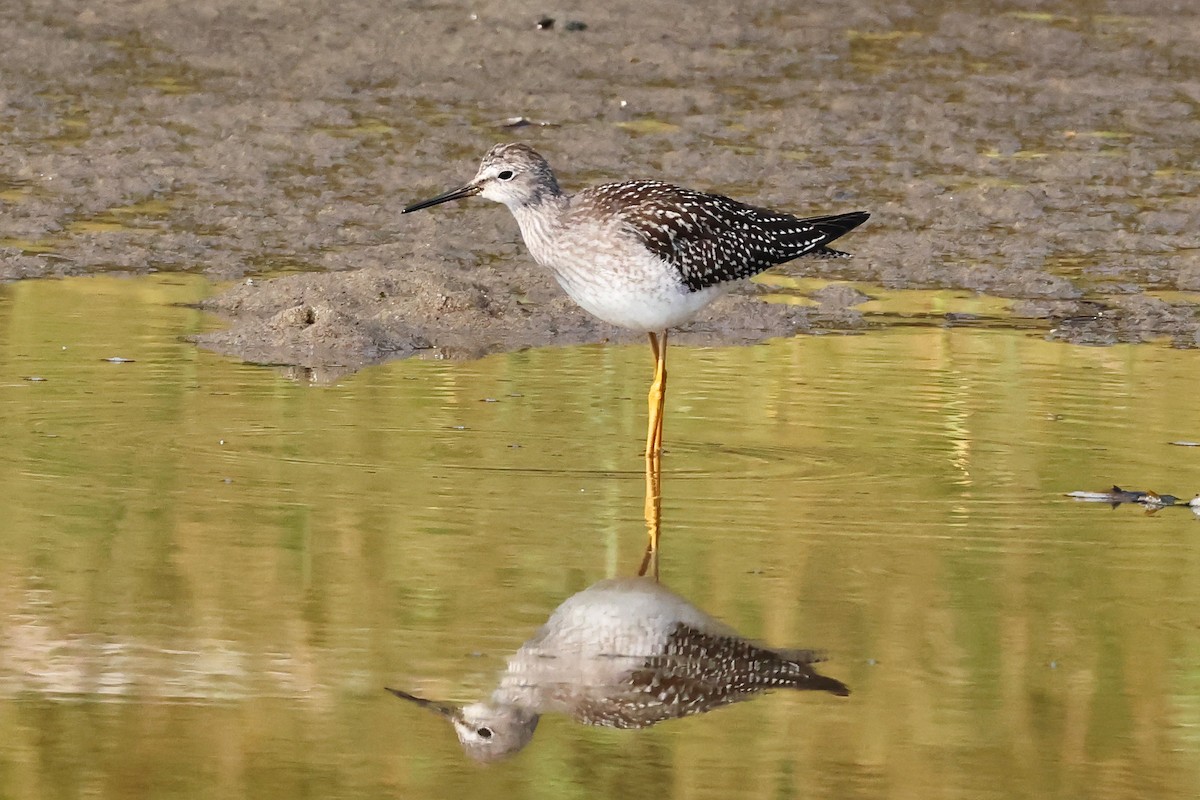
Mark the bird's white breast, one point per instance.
(606, 270)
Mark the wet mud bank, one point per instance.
(348, 320)
(1046, 155)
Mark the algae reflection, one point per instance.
(625, 653)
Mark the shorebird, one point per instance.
(643, 254)
(624, 653)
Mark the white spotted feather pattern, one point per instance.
(710, 239)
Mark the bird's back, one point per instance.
(710, 239)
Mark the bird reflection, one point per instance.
(624, 653)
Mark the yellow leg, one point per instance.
(653, 512)
(657, 397)
(662, 392)
(654, 437)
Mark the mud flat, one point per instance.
(1046, 156)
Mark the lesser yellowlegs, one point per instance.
(644, 255)
(625, 653)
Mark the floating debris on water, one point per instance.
(1150, 500)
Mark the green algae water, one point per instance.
(209, 571)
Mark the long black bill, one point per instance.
(441, 709)
(457, 194)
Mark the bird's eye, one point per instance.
(505, 175)
(485, 733)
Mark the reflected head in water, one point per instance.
(487, 732)
(625, 653)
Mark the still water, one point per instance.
(209, 572)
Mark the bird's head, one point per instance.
(512, 174)
(486, 732)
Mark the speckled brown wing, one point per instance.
(710, 239)
(698, 672)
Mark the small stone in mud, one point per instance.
(545, 23)
(960, 318)
(296, 317)
(838, 295)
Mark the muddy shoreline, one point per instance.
(1047, 155)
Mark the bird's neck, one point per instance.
(539, 220)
